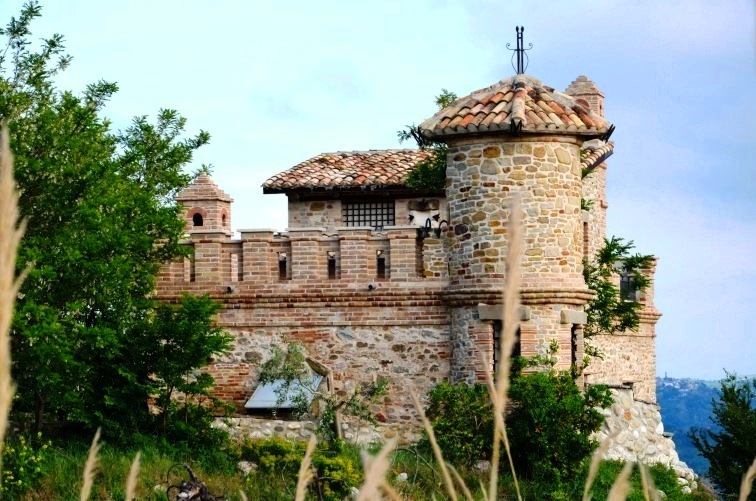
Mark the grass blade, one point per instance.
(747, 483)
(131, 481)
(621, 487)
(90, 467)
(434, 446)
(10, 236)
(375, 472)
(598, 456)
(305, 471)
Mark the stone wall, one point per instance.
(356, 432)
(594, 220)
(629, 357)
(314, 213)
(637, 434)
(481, 176)
(412, 357)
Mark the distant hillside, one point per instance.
(686, 404)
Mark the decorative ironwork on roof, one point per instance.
(348, 169)
(520, 104)
(520, 52)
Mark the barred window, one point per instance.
(375, 214)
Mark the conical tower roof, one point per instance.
(203, 188)
(519, 99)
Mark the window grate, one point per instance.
(373, 214)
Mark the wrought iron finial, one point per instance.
(522, 57)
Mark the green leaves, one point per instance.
(430, 174)
(609, 312)
(101, 220)
(730, 446)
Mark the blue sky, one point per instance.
(276, 83)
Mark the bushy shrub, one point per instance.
(551, 422)
(22, 466)
(462, 421)
(337, 472)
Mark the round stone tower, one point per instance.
(518, 135)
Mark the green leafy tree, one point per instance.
(429, 174)
(289, 367)
(613, 310)
(100, 221)
(730, 447)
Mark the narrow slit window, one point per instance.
(369, 214)
(573, 346)
(516, 348)
(380, 264)
(197, 219)
(331, 265)
(282, 272)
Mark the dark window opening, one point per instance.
(516, 348)
(627, 288)
(197, 219)
(380, 265)
(573, 346)
(331, 265)
(223, 220)
(373, 214)
(282, 272)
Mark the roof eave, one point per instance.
(442, 137)
(401, 188)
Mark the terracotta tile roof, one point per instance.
(203, 188)
(521, 98)
(597, 153)
(348, 169)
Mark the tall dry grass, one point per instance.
(10, 237)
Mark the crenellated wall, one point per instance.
(358, 325)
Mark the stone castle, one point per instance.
(377, 279)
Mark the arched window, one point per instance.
(197, 219)
(223, 220)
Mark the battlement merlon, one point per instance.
(350, 256)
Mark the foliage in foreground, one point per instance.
(89, 343)
(336, 472)
(278, 463)
(731, 448)
(549, 423)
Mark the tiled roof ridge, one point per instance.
(521, 98)
(348, 169)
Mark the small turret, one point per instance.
(207, 206)
(583, 89)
